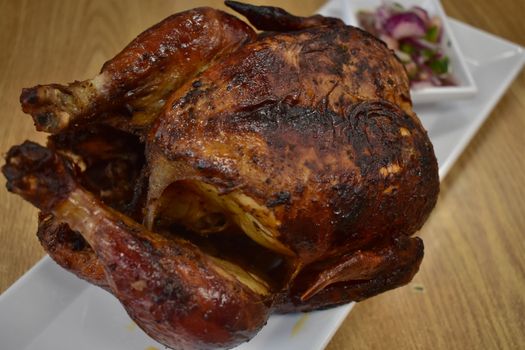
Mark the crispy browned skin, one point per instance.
(139, 79)
(335, 185)
(354, 276)
(286, 172)
(320, 68)
(70, 250)
(176, 293)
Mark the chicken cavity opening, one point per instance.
(197, 212)
(182, 204)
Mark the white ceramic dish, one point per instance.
(50, 309)
(466, 87)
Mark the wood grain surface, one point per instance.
(470, 291)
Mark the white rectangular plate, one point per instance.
(50, 309)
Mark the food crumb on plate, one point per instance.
(299, 325)
(131, 326)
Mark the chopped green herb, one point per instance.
(398, 6)
(439, 66)
(427, 53)
(432, 34)
(407, 48)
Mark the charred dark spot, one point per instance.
(197, 84)
(190, 98)
(361, 67)
(317, 55)
(238, 79)
(128, 228)
(202, 164)
(310, 165)
(77, 242)
(279, 199)
(380, 88)
(299, 189)
(342, 54)
(31, 163)
(148, 247)
(191, 113)
(44, 118)
(29, 96)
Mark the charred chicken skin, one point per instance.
(211, 175)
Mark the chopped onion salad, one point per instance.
(415, 37)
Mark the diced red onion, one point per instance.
(383, 13)
(404, 25)
(435, 80)
(426, 44)
(421, 43)
(420, 60)
(421, 13)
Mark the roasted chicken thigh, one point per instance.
(211, 175)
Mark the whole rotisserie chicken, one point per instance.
(211, 175)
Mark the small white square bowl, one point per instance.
(347, 10)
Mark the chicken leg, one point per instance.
(180, 296)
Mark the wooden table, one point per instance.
(470, 291)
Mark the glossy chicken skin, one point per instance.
(282, 172)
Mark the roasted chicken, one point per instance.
(211, 175)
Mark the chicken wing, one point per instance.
(138, 80)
